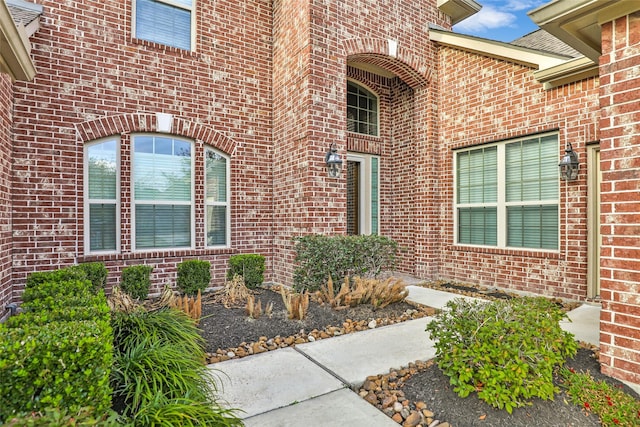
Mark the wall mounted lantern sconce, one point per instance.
(333, 161)
(569, 164)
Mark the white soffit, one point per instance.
(499, 50)
(458, 10)
(577, 22)
(570, 71)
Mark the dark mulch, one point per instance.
(225, 328)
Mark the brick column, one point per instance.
(620, 192)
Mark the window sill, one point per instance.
(518, 252)
(165, 48)
(158, 253)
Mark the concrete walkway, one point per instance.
(311, 384)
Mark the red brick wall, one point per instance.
(90, 67)
(313, 42)
(6, 104)
(620, 258)
(483, 100)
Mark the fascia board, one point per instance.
(499, 50)
(568, 72)
(14, 51)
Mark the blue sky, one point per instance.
(503, 20)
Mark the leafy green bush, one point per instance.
(159, 372)
(62, 364)
(56, 417)
(96, 273)
(56, 289)
(63, 313)
(62, 275)
(193, 275)
(318, 257)
(248, 266)
(504, 350)
(135, 281)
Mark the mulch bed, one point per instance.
(230, 333)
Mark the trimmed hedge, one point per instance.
(193, 275)
(62, 364)
(57, 289)
(96, 273)
(318, 257)
(61, 275)
(248, 266)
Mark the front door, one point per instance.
(362, 194)
(594, 176)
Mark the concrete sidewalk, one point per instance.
(311, 383)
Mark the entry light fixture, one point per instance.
(569, 164)
(333, 161)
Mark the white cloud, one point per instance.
(487, 19)
(526, 5)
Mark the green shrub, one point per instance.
(96, 273)
(159, 371)
(59, 314)
(57, 289)
(248, 266)
(193, 275)
(61, 275)
(506, 350)
(318, 257)
(56, 417)
(62, 364)
(136, 281)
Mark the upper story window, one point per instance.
(168, 22)
(362, 110)
(102, 178)
(165, 189)
(507, 194)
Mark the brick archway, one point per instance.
(407, 64)
(147, 122)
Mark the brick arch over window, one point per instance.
(408, 65)
(146, 122)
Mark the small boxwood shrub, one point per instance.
(248, 266)
(62, 364)
(136, 280)
(318, 257)
(504, 350)
(96, 273)
(193, 275)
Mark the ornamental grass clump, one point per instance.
(356, 291)
(506, 351)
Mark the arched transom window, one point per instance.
(362, 110)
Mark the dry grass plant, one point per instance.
(121, 301)
(253, 307)
(234, 294)
(297, 304)
(359, 290)
(190, 305)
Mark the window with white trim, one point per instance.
(507, 194)
(102, 189)
(168, 22)
(162, 192)
(362, 110)
(216, 198)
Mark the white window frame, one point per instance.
(366, 185)
(227, 204)
(501, 204)
(88, 201)
(375, 94)
(191, 9)
(161, 202)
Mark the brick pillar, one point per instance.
(309, 85)
(620, 192)
(6, 107)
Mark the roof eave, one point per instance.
(15, 47)
(458, 10)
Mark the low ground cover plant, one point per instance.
(612, 405)
(506, 351)
(319, 257)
